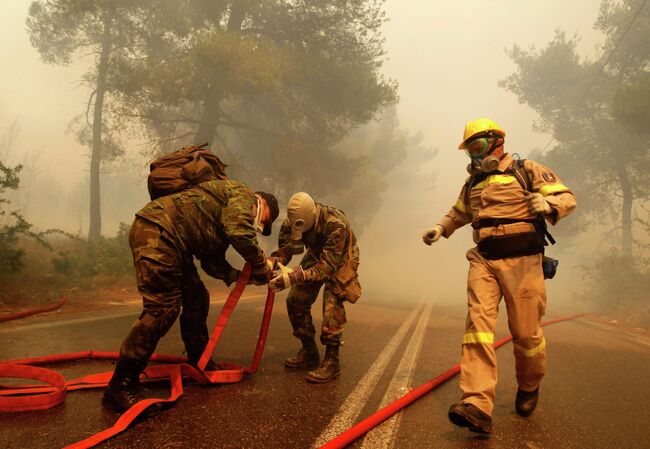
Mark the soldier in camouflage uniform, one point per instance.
(166, 235)
(332, 259)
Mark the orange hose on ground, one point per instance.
(38, 397)
(34, 311)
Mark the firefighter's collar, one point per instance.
(505, 163)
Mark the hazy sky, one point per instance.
(43, 98)
(447, 56)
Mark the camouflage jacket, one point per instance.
(332, 252)
(207, 218)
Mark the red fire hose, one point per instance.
(359, 429)
(39, 397)
(25, 313)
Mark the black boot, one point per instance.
(123, 389)
(329, 368)
(470, 416)
(307, 357)
(526, 402)
(194, 355)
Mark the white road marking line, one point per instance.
(133, 312)
(383, 436)
(354, 403)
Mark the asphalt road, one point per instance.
(595, 394)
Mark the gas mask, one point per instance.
(480, 152)
(301, 212)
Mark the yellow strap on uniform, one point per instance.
(495, 179)
(533, 351)
(460, 205)
(553, 188)
(478, 337)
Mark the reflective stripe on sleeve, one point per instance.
(533, 351)
(495, 179)
(553, 188)
(460, 205)
(478, 337)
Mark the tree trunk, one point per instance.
(95, 228)
(210, 116)
(626, 213)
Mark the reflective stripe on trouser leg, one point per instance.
(299, 302)
(524, 292)
(333, 318)
(478, 365)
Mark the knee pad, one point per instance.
(160, 320)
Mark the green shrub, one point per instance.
(106, 257)
(618, 279)
(13, 226)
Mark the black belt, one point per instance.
(493, 222)
(513, 245)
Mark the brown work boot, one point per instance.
(329, 368)
(526, 402)
(470, 416)
(307, 357)
(123, 390)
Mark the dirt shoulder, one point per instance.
(91, 295)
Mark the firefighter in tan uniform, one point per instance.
(507, 214)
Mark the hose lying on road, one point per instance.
(39, 397)
(359, 429)
(25, 313)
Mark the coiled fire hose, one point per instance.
(359, 429)
(39, 397)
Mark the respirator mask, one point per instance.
(301, 213)
(480, 152)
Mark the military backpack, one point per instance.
(183, 169)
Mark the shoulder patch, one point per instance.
(548, 177)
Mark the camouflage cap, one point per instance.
(274, 211)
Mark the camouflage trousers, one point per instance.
(168, 282)
(299, 302)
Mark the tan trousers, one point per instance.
(520, 281)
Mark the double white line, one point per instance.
(383, 435)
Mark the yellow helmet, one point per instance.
(479, 126)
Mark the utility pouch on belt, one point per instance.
(513, 245)
(549, 265)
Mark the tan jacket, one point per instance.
(500, 195)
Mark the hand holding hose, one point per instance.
(287, 278)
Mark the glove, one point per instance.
(286, 278)
(538, 205)
(432, 235)
(261, 273)
(273, 262)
